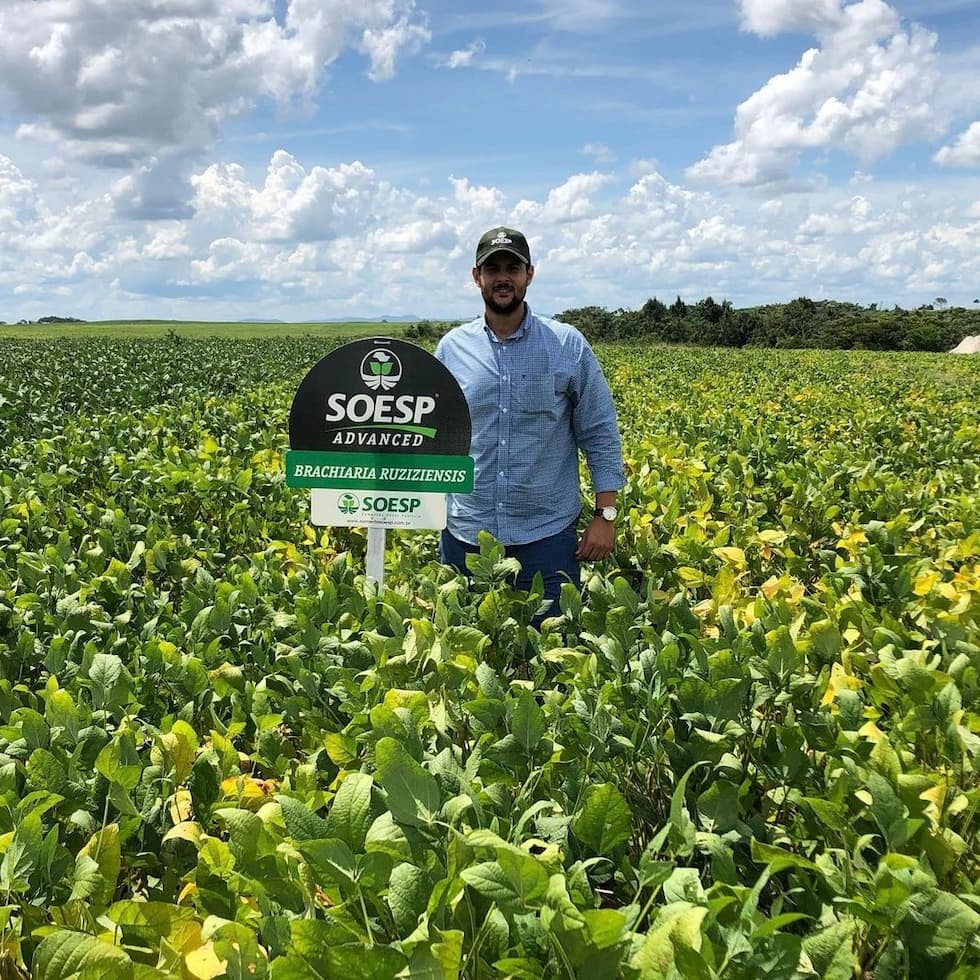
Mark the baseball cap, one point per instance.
(501, 239)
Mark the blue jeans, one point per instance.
(554, 557)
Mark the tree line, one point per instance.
(802, 322)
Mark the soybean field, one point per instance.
(749, 746)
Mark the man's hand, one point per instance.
(597, 541)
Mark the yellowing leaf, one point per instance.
(869, 730)
(851, 542)
(180, 806)
(734, 556)
(924, 583)
(188, 830)
(250, 793)
(203, 964)
(772, 537)
(935, 796)
(104, 848)
(839, 681)
(704, 609)
(188, 891)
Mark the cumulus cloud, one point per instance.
(769, 17)
(147, 91)
(965, 152)
(866, 89)
(18, 197)
(463, 57)
(569, 201)
(293, 204)
(301, 241)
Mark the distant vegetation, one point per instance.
(50, 328)
(800, 323)
(803, 322)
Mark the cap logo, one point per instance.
(502, 239)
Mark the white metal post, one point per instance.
(376, 555)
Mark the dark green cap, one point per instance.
(502, 239)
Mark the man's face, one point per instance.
(503, 280)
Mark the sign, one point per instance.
(387, 509)
(367, 471)
(380, 396)
(379, 431)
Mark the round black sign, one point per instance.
(380, 395)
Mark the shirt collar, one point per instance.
(518, 333)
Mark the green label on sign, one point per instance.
(379, 471)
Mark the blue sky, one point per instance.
(299, 159)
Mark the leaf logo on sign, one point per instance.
(348, 504)
(381, 369)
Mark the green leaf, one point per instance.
(526, 873)
(119, 762)
(528, 723)
(831, 950)
(326, 949)
(350, 813)
(607, 927)
(46, 772)
(149, 922)
(109, 680)
(301, 822)
(683, 885)
(244, 831)
(87, 880)
(204, 783)
(65, 954)
(605, 820)
(105, 849)
(888, 810)
(515, 881)
(519, 966)
(440, 959)
(718, 805)
(490, 880)
(331, 857)
(408, 894)
(413, 794)
(778, 859)
(826, 641)
(938, 928)
(23, 854)
(676, 925)
(681, 825)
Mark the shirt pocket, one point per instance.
(541, 395)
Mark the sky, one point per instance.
(320, 159)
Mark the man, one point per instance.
(536, 396)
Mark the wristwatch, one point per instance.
(606, 513)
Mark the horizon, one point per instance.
(937, 304)
(261, 157)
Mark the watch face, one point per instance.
(609, 513)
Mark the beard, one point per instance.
(503, 308)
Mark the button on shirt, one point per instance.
(535, 399)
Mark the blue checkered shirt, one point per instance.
(535, 400)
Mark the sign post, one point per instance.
(379, 431)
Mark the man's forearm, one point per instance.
(606, 498)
